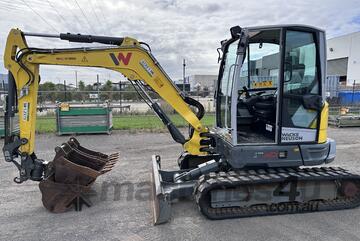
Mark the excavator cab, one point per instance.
(270, 94)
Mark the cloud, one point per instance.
(356, 19)
(175, 29)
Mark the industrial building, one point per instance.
(201, 82)
(343, 58)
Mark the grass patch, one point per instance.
(46, 125)
(127, 122)
(151, 122)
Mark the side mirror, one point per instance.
(235, 31)
(219, 54)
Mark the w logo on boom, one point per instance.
(121, 58)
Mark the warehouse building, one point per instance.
(343, 58)
(201, 82)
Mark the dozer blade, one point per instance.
(74, 170)
(165, 190)
(161, 205)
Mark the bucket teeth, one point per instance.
(76, 144)
(110, 164)
(107, 168)
(75, 169)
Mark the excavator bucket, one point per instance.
(74, 170)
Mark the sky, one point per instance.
(175, 29)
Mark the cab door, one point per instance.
(301, 87)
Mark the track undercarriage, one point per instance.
(245, 193)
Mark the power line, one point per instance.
(8, 5)
(58, 13)
(83, 13)
(18, 4)
(9, 8)
(101, 11)
(96, 16)
(68, 3)
(32, 9)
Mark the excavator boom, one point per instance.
(128, 57)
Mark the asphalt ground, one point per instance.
(121, 205)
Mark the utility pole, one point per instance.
(120, 89)
(76, 83)
(120, 94)
(353, 91)
(98, 87)
(184, 65)
(64, 90)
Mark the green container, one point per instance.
(345, 120)
(83, 119)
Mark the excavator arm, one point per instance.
(126, 56)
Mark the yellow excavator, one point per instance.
(271, 125)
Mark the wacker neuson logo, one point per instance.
(291, 134)
(291, 137)
(121, 58)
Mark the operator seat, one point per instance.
(266, 109)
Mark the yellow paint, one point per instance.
(27, 121)
(193, 145)
(323, 123)
(151, 74)
(159, 82)
(262, 84)
(64, 107)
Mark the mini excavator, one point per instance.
(258, 159)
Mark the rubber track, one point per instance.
(274, 176)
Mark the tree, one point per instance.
(107, 87)
(80, 95)
(89, 87)
(47, 92)
(81, 85)
(129, 93)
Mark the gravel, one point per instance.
(121, 207)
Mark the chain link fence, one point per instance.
(129, 111)
(121, 102)
(338, 94)
(125, 102)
